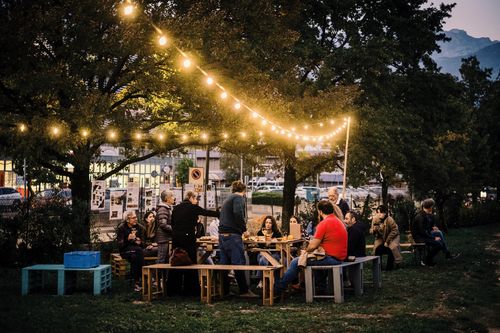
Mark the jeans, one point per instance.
(163, 253)
(293, 270)
(442, 241)
(232, 252)
(263, 262)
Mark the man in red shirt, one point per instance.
(331, 234)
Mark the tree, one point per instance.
(182, 170)
(77, 75)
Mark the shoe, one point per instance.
(249, 294)
(452, 256)
(259, 286)
(137, 288)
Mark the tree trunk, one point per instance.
(80, 192)
(440, 200)
(288, 194)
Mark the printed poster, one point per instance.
(149, 199)
(116, 204)
(98, 195)
(133, 196)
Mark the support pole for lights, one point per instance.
(241, 167)
(345, 157)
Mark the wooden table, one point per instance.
(210, 280)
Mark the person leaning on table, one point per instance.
(331, 234)
(231, 228)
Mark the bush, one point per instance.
(481, 212)
(267, 198)
(403, 212)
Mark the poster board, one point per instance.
(98, 195)
(116, 203)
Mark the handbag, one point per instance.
(180, 257)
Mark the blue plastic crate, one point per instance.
(82, 259)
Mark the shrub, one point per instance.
(267, 198)
(481, 212)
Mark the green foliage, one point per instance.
(403, 211)
(182, 170)
(481, 212)
(267, 198)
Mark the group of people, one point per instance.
(175, 224)
(338, 233)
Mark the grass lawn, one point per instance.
(459, 295)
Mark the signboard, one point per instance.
(196, 176)
(98, 195)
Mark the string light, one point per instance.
(186, 63)
(55, 131)
(225, 136)
(161, 137)
(237, 105)
(138, 136)
(162, 40)
(22, 128)
(112, 135)
(85, 132)
(128, 10)
(210, 81)
(223, 95)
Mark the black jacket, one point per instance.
(344, 206)
(422, 226)
(184, 219)
(122, 232)
(356, 243)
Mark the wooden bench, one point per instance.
(119, 265)
(101, 274)
(210, 280)
(336, 279)
(417, 249)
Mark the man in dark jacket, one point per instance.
(356, 232)
(129, 237)
(231, 227)
(421, 231)
(164, 222)
(184, 220)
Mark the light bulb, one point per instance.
(128, 10)
(223, 95)
(186, 63)
(162, 40)
(210, 81)
(237, 105)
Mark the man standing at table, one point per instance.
(331, 234)
(231, 227)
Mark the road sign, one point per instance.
(154, 174)
(196, 176)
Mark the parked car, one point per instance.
(268, 188)
(52, 195)
(9, 198)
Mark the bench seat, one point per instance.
(336, 279)
(119, 265)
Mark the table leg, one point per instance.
(25, 281)
(60, 282)
(338, 288)
(377, 273)
(97, 282)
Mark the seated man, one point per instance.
(356, 243)
(386, 233)
(331, 234)
(424, 230)
(129, 237)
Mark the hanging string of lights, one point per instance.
(129, 9)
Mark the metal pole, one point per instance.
(345, 157)
(205, 185)
(241, 167)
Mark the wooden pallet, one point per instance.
(120, 266)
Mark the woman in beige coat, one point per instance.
(387, 238)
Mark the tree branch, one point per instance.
(123, 164)
(56, 169)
